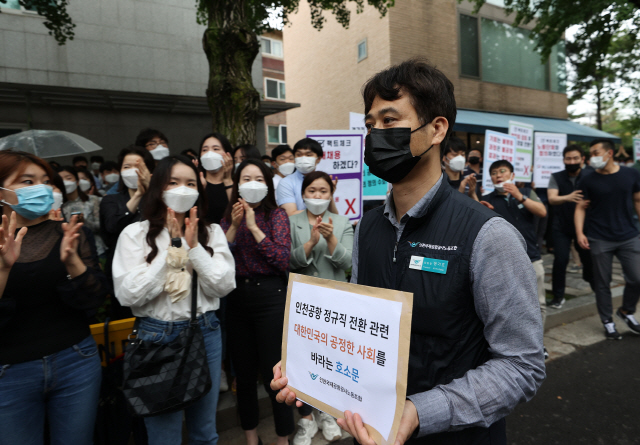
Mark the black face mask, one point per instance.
(474, 160)
(388, 153)
(572, 168)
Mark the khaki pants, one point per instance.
(538, 266)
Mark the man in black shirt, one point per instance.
(563, 194)
(606, 228)
(453, 160)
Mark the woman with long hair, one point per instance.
(145, 274)
(49, 284)
(258, 231)
(217, 163)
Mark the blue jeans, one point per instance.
(166, 429)
(63, 386)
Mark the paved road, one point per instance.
(590, 397)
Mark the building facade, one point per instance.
(492, 66)
(132, 64)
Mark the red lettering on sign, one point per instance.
(350, 206)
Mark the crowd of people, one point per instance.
(236, 222)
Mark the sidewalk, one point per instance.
(575, 325)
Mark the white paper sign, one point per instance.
(343, 152)
(548, 156)
(497, 146)
(636, 149)
(524, 150)
(345, 352)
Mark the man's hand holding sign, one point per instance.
(345, 351)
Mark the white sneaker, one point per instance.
(224, 385)
(306, 430)
(330, 429)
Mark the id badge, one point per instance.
(428, 264)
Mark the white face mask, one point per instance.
(499, 187)
(130, 178)
(597, 162)
(95, 166)
(160, 152)
(238, 165)
(268, 164)
(57, 200)
(211, 161)
(457, 164)
(70, 186)
(253, 191)
(180, 199)
(306, 164)
(112, 178)
(286, 169)
(317, 206)
(84, 185)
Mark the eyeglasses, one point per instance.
(500, 171)
(155, 144)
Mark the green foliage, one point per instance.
(256, 12)
(57, 20)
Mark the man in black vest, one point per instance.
(563, 194)
(519, 207)
(476, 333)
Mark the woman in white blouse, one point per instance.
(145, 274)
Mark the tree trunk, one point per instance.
(231, 47)
(598, 107)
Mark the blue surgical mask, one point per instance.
(34, 201)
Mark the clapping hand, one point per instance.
(191, 228)
(172, 224)
(249, 214)
(56, 215)
(237, 213)
(315, 232)
(227, 166)
(144, 176)
(326, 229)
(69, 244)
(10, 246)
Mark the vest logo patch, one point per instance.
(431, 246)
(428, 264)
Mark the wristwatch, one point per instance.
(176, 242)
(524, 198)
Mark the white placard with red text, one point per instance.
(524, 150)
(343, 154)
(548, 156)
(497, 146)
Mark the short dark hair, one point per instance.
(96, 158)
(570, 148)
(430, 91)
(280, 149)
(79, 159)
(250, 151)
(309, 178)
(606, 143)
(147, 134)
(501, 163)
(109, 165)
(454, 145)
(226, 145)
(267, 157)
(310, 144)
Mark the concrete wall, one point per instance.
(322, 71)
(150, 46)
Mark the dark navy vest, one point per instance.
(446, 333)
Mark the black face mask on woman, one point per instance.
(388, 154)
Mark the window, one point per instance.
(497, 52)
(15, 4)
(362, 50)
(274, 89)
(469, 65)
(277, 134)
(271, 47)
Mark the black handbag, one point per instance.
(164, 378)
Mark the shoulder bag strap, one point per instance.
(194, 296)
